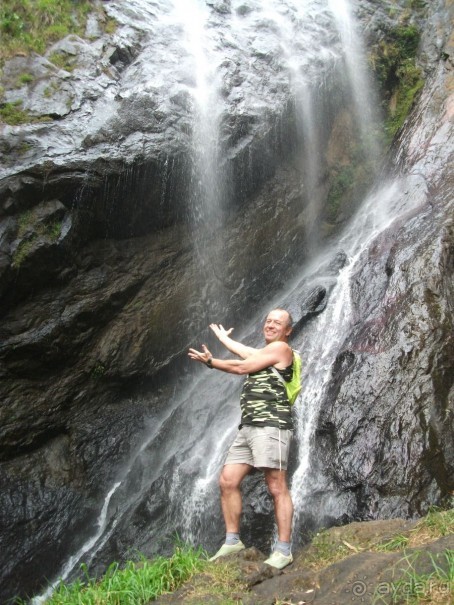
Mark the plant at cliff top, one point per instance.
(32, 25)
(138, 583)
(400, 79)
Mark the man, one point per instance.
(265, 431)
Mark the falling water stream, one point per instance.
(173, 474)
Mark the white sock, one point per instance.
(232, 538)
(284, 547)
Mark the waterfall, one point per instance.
(361, 86)
(206, 186)
(183, 450)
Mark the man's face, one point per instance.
(276, 326)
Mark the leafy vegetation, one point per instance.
(399, 77)
(32, 25)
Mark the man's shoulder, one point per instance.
(279, 348)
(278, 345)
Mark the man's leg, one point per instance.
(276, 481)
(230, 481)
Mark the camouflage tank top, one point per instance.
(264, 400)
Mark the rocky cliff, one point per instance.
(107, 273)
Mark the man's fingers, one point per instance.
(194, 354)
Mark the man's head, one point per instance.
(278, 325)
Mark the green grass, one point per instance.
(136, 584)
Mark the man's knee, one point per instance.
(226, 483)
(277, 484)
(231, 477)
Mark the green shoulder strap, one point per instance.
(293, 387)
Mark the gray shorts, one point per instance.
(261, 446)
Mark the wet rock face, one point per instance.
(385, 432)
(386, 428)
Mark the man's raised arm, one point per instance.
(232, 345)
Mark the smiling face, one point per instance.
(277, 326)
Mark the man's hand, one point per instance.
(220, 331)
(203, 356)
(235, 347)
